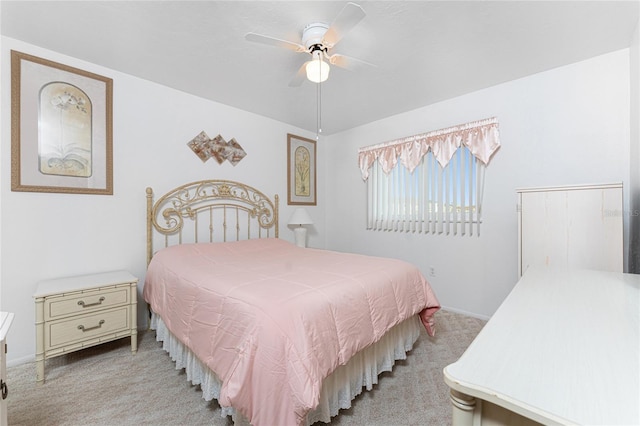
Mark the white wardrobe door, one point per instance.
(580, 228)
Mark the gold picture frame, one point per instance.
(301, 171)
(61, 128)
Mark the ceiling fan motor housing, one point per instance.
(312, 36)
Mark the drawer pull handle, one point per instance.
(4, 389)
(81, 327)
(85, 305)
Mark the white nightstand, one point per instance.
(6, 319)
(77, 312)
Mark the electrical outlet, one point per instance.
(432, 271)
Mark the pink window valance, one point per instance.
(481, 137)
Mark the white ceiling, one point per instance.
(425, 51)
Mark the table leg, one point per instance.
(464, 408)
(40, 340)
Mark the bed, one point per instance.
(278, 334)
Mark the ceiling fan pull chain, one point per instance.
(319, 111)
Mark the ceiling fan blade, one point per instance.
(348, 17)
(272, 41)
(349, 63)
(300, 76)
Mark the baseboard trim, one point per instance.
(463, 312)
(19, 361)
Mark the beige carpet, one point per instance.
(106, 385)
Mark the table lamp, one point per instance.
(299, 218)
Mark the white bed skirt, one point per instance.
(338, 389)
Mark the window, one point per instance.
(431, 199)
(430, 183)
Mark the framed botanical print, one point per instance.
(61, 128)
(301, 170)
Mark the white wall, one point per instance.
(565, 126)
(570, 125)
(634, 188)
(53, 235)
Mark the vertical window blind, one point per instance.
(430, 183)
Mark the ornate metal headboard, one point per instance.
(220, 204)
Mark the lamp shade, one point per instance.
(300, 217)
(317, 69)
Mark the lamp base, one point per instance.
(301, 236)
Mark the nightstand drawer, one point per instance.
(86, 301)
(85, 327)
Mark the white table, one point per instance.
(563, 348)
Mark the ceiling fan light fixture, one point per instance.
(317, 69)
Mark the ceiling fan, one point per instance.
(318, 39)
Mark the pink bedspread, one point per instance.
(272, 320)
